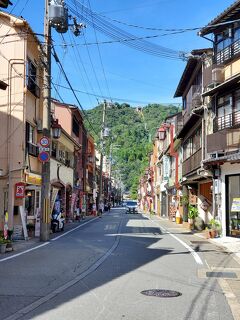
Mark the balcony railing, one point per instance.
(228, 121)
(192, 163)
(227, 53)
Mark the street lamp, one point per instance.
(56, 129)
(161, 133)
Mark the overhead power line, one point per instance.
(110, 30)
(70, 86)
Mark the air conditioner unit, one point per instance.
(197, 100)
(218, 75)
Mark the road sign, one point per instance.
(41, 149)
(43, 156)
(44, 142)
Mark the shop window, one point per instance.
(233, 205)
(38, 200)
(30, 202)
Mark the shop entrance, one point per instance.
(233, 205)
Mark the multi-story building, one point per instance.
(196, 182)
(70, 159)
(20, 114)
(223, 131)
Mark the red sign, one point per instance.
(44, 142)
(20, 190)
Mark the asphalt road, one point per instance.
(98, 272)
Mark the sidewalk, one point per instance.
(230, 244)
(23, 245)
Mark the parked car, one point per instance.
(131, 206)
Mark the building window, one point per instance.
(31, 79)
(54, 149)
(31, 147)
(224, 112)
(75, 126)
(30, 137)
(227, 45)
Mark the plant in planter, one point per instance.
(192, 214)
(214, 228)
(3, 244)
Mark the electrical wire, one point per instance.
(117, 34)
(100, 55)
(116, 99)
(70, 86)
(91, 62)
(78, 58)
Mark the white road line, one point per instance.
(46, 243)
(193, 253)
(26, 251)
(81, 225)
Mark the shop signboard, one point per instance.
(235, 205)
(20, 190)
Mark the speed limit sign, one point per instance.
(44, 142)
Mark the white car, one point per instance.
(132, 206)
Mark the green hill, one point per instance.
(133, 130)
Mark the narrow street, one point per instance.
(99, 270)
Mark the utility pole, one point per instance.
(45, 189)
(101, 152)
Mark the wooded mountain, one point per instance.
(133, 130)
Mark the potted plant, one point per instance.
(3, 244)
(214, 228)
(192, 214)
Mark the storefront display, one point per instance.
(233, 205)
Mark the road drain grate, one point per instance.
(221, 274)
(200, 242)
(161, 293)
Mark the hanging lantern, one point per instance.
(161, 133)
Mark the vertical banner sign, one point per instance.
(166, 167)
(19, 190)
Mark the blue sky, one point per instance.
(114, 70)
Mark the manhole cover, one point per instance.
(161, 293)
(221, 274)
